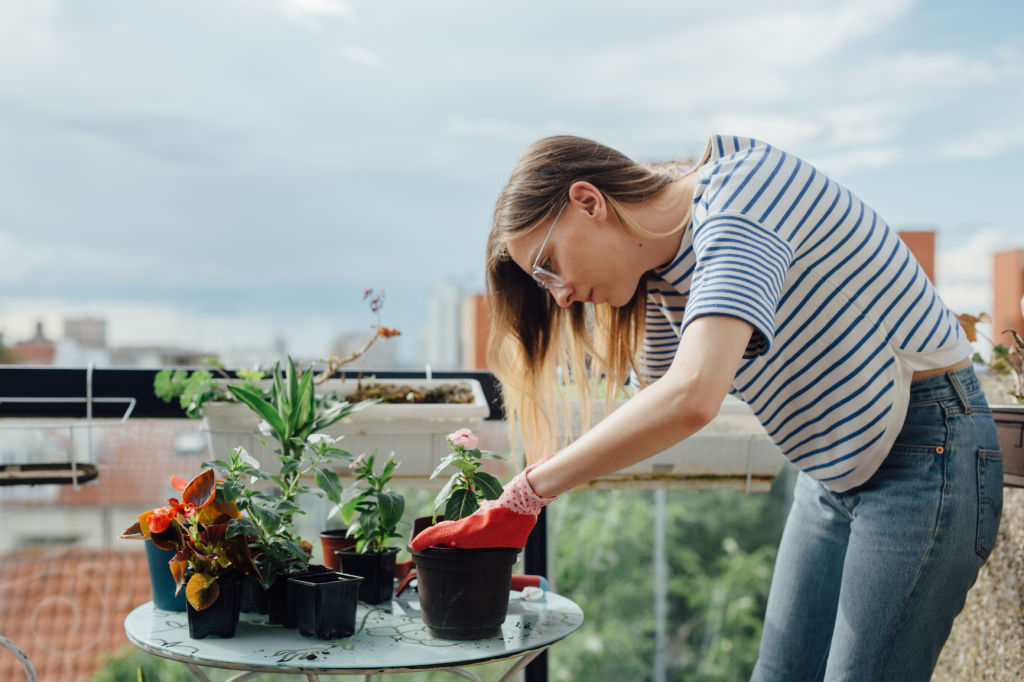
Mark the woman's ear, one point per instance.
(589, 199)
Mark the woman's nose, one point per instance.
(562, 295)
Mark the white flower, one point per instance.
(244, 455)
(318, 438)
(265, 429)
(358, 461)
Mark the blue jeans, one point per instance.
(867, 582)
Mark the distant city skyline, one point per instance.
(234, 175)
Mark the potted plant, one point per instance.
(292, 417)
(412, 416)
(372, 512)
(208, 563)
(464, 593)
(1006, 361)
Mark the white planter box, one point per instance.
(415, 432)
(732, 451)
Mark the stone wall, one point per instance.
(987, 642)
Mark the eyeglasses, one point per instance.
(545, 278)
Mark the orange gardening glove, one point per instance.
(504, 522)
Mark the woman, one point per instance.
(752, 274)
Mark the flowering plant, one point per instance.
(461, 495)
(196, 527)
(371, 510)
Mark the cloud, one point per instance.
(964, 271)
(985, 143)
(304, 10)
(361, 55)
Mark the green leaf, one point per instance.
(488, 485)
(461, 504)
(229, 491)
(261, 407)
(242, 526)
(444, 463)
(330, 484)
(390, 506)
(445, 492)
(348, 511)
(271, 521)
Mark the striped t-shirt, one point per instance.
(843, 314)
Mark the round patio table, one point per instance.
(389, 638)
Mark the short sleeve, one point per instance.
(740, 268)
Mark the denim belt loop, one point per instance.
(961, 393)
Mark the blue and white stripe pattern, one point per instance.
(843, 315)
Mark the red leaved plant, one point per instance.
(196, 527)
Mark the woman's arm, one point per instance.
(672, 408)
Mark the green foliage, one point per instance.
(129, 663)
(268, 512)
(370, 508)
(720, 547)
(462, 493)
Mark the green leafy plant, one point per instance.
(292, 416)
(369, 507)
(1004, 360)
(468, 486)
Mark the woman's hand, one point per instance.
(504, 522)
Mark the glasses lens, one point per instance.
(545, 279)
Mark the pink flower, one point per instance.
(463, 438)
(359, 461)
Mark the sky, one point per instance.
(217, 174)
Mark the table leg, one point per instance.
(464, 673)
(520, 664)
(199, 674)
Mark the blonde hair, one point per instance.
(542, 354)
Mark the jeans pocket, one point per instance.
(990, 500)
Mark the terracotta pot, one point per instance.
(333, 541)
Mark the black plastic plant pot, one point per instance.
(162, 579)
(255, 599)
(280, 596)
(464, 592)
(1010, 430)
(421, 523)
(377, 570)
(325, 604)
(219, 619)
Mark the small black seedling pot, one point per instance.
(378, 571)
(325, 604)
(281, 596)
(219, 619)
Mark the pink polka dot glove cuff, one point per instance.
(504, 522)
(520, 497)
